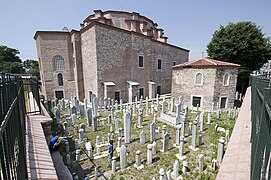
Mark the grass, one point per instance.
(161, 160)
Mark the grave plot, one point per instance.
(190, 145)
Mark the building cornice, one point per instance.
(49, 32)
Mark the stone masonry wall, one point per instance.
(48, 46)
(78, 69)
(228, 91)
(183, 84)
(117, 60)
(89, 61)
(113, 60)
(212, 89)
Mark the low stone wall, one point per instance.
(62, 170)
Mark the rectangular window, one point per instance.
(196, 101)
(140, 61)
(159, 64)
(60, 79)
(223, 102)
(141, 92)
(174, 63)
(159, 90)
(117, 96)
(89, 95)
(59, 94)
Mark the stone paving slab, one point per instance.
(41, 164)
(236, 162)
(39, 161)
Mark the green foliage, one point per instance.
(243, 43)
(206, 177)
(9, 61)
(32, 66)
(112, 176)
(30, 63)
(34, 72)
(9, 55)
(11, 67)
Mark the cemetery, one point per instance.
(159, 138)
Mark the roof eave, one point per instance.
(204, 67)
(90, 25)
(39, 32)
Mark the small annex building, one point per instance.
(206, 83)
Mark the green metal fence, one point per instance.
(35, 90)
(31, 87)
(261, 127)
(12, 128)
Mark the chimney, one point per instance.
(98, 14)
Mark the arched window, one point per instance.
(58, 62)
(226, 79)
(199, 79)
(60, 79)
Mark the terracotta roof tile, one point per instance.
(204, 63)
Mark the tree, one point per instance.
(242, 43)
(9, 61)
(30, 63)
(32, 66)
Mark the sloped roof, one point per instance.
(205, 63)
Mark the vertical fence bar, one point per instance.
(21, 121)
(32, 88)
(2, 158)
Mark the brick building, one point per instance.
(205, 82)
(115, 54)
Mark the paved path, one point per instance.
(41, 164)
(39, 161)
(236, 162)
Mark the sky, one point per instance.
(188, 23)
